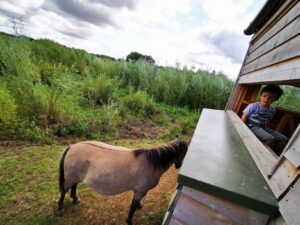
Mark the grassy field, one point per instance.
(29, 191)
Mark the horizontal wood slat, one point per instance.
(287, 72)
(289, 50)
(259, 38)
(290, 31)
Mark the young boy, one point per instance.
(258, 115)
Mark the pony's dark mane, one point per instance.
(161, 157)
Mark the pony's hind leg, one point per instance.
(60, 209)
(74, 195)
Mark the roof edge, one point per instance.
(270, 7)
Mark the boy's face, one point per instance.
(267, 98)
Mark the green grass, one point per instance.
(28, 182)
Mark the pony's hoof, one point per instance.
(76, 201)
(128, 222)
(60, 213)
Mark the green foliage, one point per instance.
(39, 103)
(135, 56)
(108, 121)
(207, 90)
(52, 91)
(290, 99)
(99, 90)
(170, 86)
(8, 111)
(51, 73)
(139, 103)
(15, 60)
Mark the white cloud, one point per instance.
(205, 34)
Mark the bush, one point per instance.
(99, 90)
(207, 91)
(51, 73)
(29, 131)
(169, 86)
(139, 103)
(102, 123)
(109, 121)
(290, 98)
(36, 102)
(73, 128)
(15, 60)
(8, 111)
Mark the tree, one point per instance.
(135, 56)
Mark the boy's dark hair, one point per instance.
(274, 89)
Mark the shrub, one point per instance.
(99, 91)
(36, 102)
(109, 121)
(206, 90)
(29, 131)
(101, 123)
(51, 73)
(169, 86)
(290, 98)
(139, 103)
(15, 58)
(73, 128)
(8, 111)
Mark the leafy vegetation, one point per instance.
(135, 56)
(290, 98)
(49, 91)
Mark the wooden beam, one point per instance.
(287, 72)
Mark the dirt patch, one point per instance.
(139, 130)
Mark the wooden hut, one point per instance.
(228, 175)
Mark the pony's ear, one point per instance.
(177, 138)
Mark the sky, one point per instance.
(197, 34)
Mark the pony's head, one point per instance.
(163, 156)
(182, 148)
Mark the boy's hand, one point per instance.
(244, 117)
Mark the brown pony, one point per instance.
(111, 170)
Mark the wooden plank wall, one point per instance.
(290, 205)
(278, 42)
(195, 207)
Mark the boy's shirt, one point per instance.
(258, 116)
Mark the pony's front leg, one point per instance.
(135, 204)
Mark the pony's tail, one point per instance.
(61, 170)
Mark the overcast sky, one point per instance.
(204, 34)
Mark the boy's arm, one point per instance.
(244, 117)
(247, 111)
